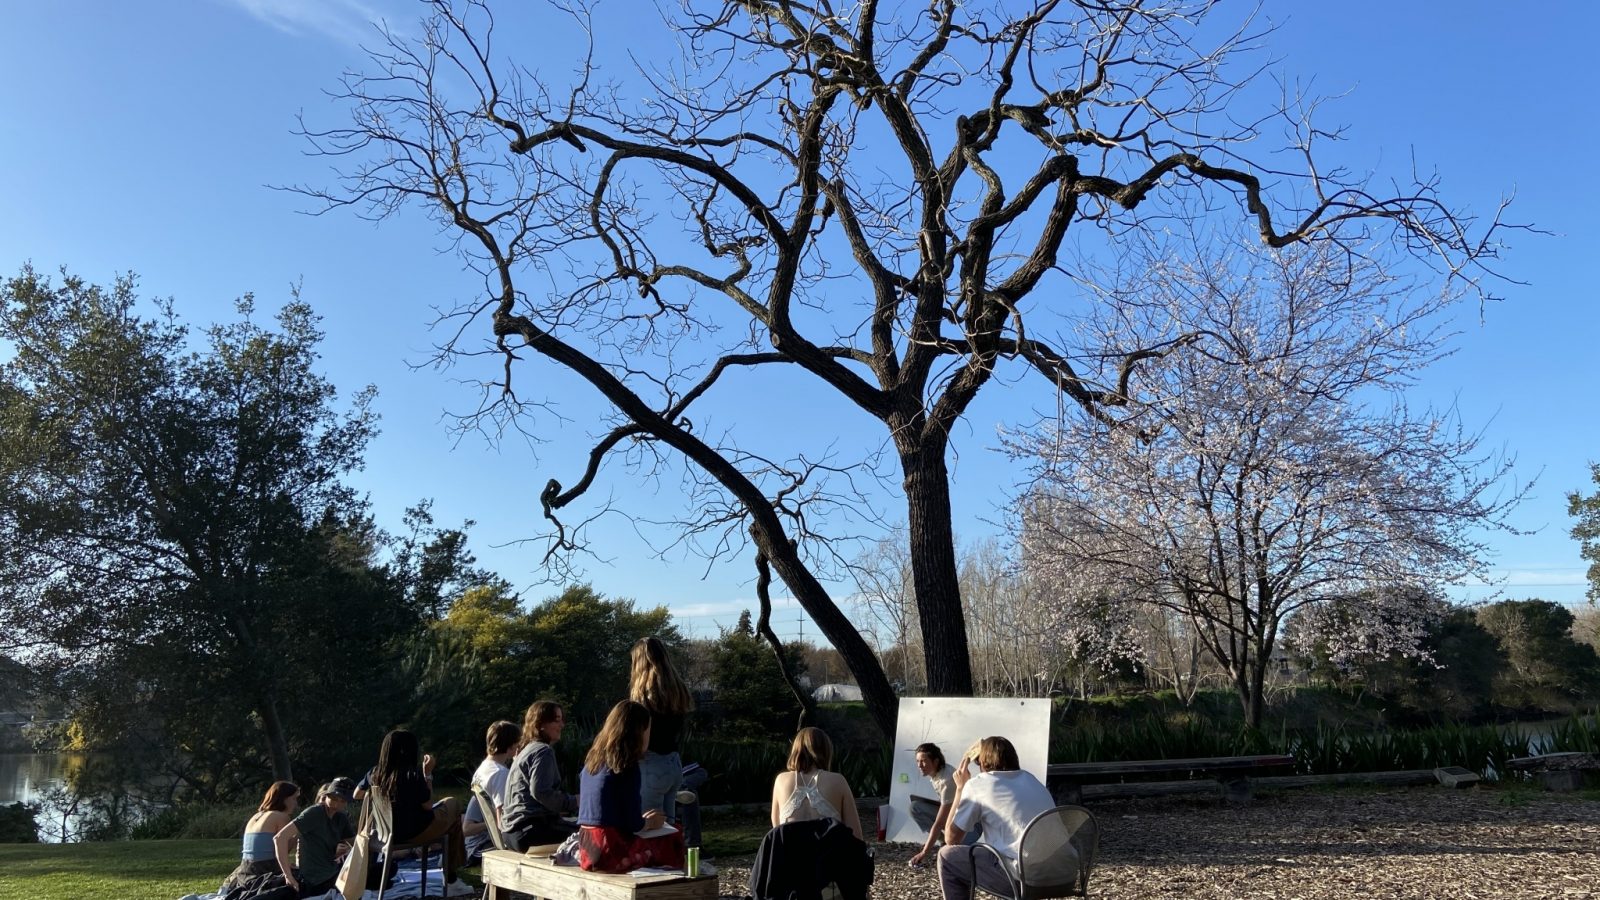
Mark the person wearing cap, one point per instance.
(323, 832)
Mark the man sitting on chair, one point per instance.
(1003, 799)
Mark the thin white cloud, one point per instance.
(346, 21)
(1537, 576)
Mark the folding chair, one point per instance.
(383, 818)
(1056, 853)
(491, 816)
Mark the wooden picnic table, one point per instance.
(539, 876)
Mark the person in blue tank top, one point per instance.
(277, 809)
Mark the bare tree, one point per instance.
(1008, 626)
(667, 230)
(1271, 468)
(887, 606)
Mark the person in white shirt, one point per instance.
(1003, 799)
(500, 741)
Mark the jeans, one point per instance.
(925, 812)
(689, 813)
(960, 868)
(660, 774)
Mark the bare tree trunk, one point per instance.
(277, 741)
(934, 573)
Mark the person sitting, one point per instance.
(499, 742)
(615, 831)
(1003, 799)
(259, 855)
(808, 790)
(534, 799)
(404, 778)
(931, 815)
(323, 834)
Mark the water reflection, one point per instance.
(76, 796)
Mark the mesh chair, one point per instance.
(491, 816)
(1055, 855)
(383, 820)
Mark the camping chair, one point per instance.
(1056, 853)
(383, 819)
(491, 816)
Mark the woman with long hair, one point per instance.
(535, 801)
(615, 831)
(808, 790)
(277, 809)
(404, 778)
(654, 684)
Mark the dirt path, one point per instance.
(1414, 843)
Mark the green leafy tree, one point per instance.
(752, 696)
(1587, 511)
(1545, 667)
(572, 648)
(1453, 678)
(176, 535)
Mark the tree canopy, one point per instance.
(178, 540)
(1271, 470)
(883, 199)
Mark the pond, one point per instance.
(46, 782)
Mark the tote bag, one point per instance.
(352, 880)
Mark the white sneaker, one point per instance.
(707, 869)
(687, 797)
(459, 888)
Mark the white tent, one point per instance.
(835, 693)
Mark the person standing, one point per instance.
(655, 685)
(1001, 798)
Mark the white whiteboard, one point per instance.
(956, 723)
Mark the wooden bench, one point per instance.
(1066, 780)
(1558, 771)
(537, 876)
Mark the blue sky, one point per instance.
(143, 137)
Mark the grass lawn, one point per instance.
(167, 870)
(135, 870)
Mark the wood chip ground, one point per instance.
(1426, 842)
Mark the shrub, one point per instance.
(18, 824)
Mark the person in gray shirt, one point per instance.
(324, 833)
(535, 801)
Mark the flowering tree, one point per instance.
(1268, 467)
(869, 202)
